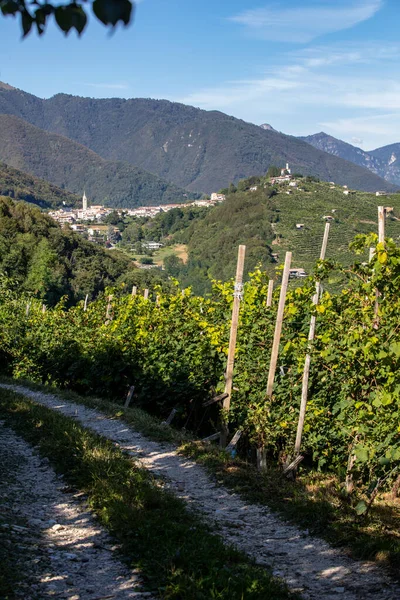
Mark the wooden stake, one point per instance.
(307, 362)
(371, 253)
(146, 294)
(293, 465)
(381, 240)
(129, 396)
(381, 224)
(86, 301)
(237, 296)
(134, 290)
(261, 458)
(278, 325)
(171, 416)
(108, 311)
(28, 308)
(43, 308)
(270, 290)
(212, 438)
(232, 444)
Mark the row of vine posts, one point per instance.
(291, 466)
(293, 461)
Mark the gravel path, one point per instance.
(308, 565)
(57, 547)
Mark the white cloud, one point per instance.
(308, 22)
(300, 95)
(377, 128)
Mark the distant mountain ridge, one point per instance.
(384, 161)
(196, 149)
(74, 167)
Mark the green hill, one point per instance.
(21, 186)
(196, 149)
(51, 262)
(267, 225)
(74, 167)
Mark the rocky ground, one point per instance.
(308, 565)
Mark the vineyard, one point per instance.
(173, 349)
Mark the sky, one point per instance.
(302, 66)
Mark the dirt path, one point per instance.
(55, 542)
(308, 564)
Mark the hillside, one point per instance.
(196, 149)
(383, 161)
(267, 225)
(74, 167)
(21, 186)
(50, 262)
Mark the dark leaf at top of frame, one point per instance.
(111, 12)
(71, 16)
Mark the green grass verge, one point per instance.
(178, 555)
(314, 501)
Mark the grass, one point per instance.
(179, 250)
(158, 256)
(314, 501)
(176, 552)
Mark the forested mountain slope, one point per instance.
(74, 167)
(197, 149)
(51, 262)
(21, 186)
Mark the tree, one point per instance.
(70, 15)
(273, 171)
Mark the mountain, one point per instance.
(383, 161)
(268, 127)
(389, 156)
(196, 149)
(74, 167)
(21, 186)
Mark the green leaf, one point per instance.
(361, 453)
(361, 508)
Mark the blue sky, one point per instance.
(301, 65)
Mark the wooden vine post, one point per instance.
(146, 294)
(270, 290)
(237, 296)
(109, 309)
(381, 240)
(134, 290)
(261, 457)
(381, 224)
(278, 325)
(86, 301)
(307, 362)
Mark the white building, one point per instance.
(152, 245)
(217, 197)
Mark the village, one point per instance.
(89, 220)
